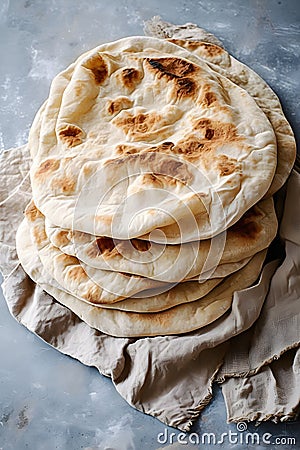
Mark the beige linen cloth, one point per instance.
(171, 377)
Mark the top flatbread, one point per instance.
(141, 133)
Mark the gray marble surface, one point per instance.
(47, 400)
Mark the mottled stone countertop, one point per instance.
(47, 400)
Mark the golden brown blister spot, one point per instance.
(170, 67)
(150, 178)
(93, 295)
(191, 147)
(175, 69)
(219, 131)
(88, 170)
(211, 49)
(162, 318)
(31, 212)
(185, 87)
(139, 124)
(67, 259)
(209, 133)
(71, 135)
(45, 169)
(66, 185)
(155, 165)
(39, 235)
(226, 165)
(165, 147)
(175, 170)
(158, 180)
(124, 149)
(105, 244)
(202, 150)
(77, 274)
(214, 135)
(130, 77)
(185, 43)
(248, 226)
(98, 67)
(164, 168)
(61, 238)
(207, 97)
(206, 48)
(115, 106)
(140, 245)
(78, 89)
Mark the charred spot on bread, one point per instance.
(71, 135)
(98, 68)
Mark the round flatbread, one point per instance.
(110, 162)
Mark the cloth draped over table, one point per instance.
(253, 350)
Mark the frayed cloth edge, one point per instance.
(276, 418)
(193, 415)
(250, 372)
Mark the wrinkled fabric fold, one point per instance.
(261, 369)
(271, 394)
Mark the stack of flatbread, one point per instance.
(154, 165)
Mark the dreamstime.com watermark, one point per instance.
(241, 436)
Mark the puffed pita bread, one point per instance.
(110, 163)
(172, 263)
(177, 320)
(101, 287)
